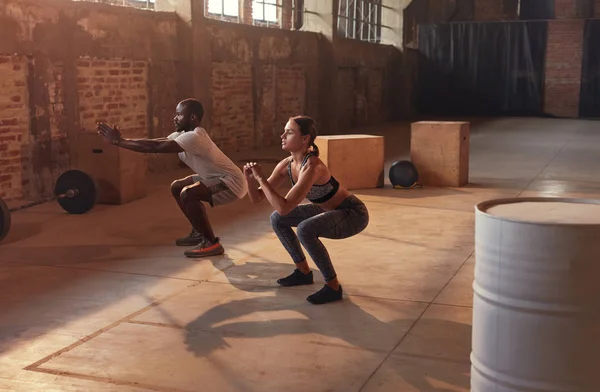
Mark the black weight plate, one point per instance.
(84, 200)
(4, 220)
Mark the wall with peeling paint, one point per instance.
(69, 59)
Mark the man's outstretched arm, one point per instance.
(151, 146)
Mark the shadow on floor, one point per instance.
(21, 231)
(325, 320)
(47, 287)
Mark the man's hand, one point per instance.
(111, 135)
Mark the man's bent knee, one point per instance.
(195, 193)
(178, 185)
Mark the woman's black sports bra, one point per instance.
(317, 193)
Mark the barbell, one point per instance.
(75, 191)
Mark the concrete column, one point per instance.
(286, 15)
(182, 8)
(391, 17)
(246, 12)
(185, 11)
(320, 16)
(201, 73)
(195, 66)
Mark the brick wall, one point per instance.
(488, 10)
(267, 111)
(14, 123)
(282, 95)
(232, 125)
(346, 98)
(564, 55)
(164, 97)
(46, 154)
(291, 93)
(375, 96)
(113, 91)
(260, 78)
(565, 9)
(359, 97)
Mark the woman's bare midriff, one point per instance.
(337, 199)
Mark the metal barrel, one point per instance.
(536, 305)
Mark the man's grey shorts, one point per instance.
(221, 194)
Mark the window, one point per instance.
(265, 11)
(224, 8)
(286, 14)
(360, 19)
(143, 4)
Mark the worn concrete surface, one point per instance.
(106, 302)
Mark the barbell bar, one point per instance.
(75, 191)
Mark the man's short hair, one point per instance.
(194, 106)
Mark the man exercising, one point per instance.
(217, 180)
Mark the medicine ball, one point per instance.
(403, 174)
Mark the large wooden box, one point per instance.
(440, 152)
(356, 161)
(119, 173)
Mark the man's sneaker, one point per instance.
(297, 278)
(325, 295)
(206, 248)
(194, 238)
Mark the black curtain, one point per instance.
(589, 96)
(486, 69)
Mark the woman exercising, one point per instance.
(333, 213)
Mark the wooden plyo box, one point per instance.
(119, 173)
(356, 161)
(440, 152)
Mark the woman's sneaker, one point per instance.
(194, 238)
(206, 248)
(297, 278)
(325, 295)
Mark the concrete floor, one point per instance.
(105, 302)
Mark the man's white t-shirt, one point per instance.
(203, 156)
